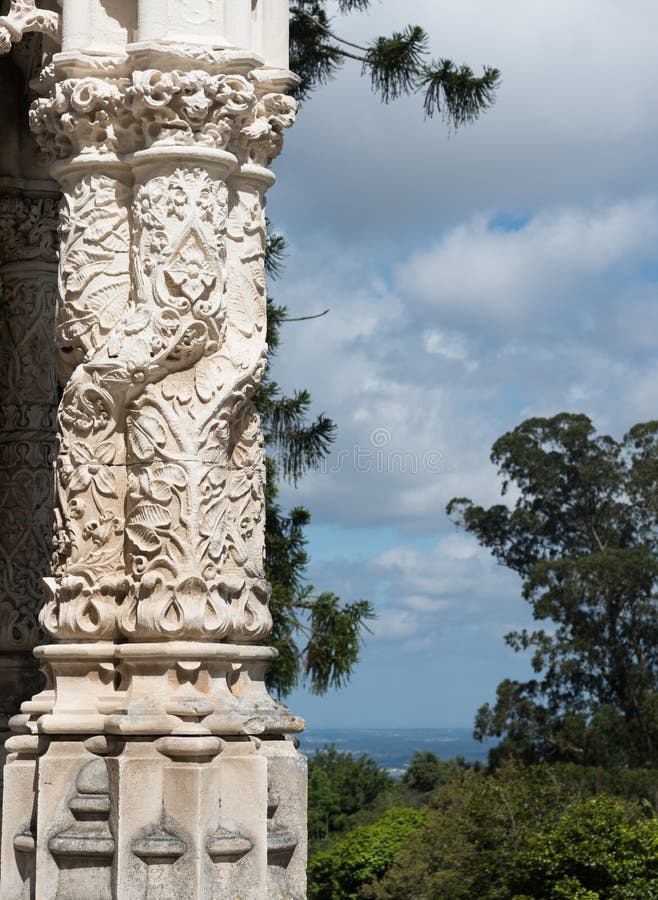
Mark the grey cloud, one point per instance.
(566, 125)
(444, 331)
(481, 275)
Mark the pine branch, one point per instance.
(276, 316)
(456, 93)
(312, 62)
(396, 65)
(345, 54)
(300, 446)
(336, 635)
(306, 318)
(347, 6)
(324, 29)
(275, 251)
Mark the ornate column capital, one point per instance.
(162, 98)
(23, 17)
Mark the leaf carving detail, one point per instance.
(109, 300)
(144, 434)
(243, 303)
(143, 523)
(105, 482)
(207, 379)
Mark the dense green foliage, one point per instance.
(583, 536)
(426, 772)
(340, 785)
(475, 828)
(599, 850)
(495, 837)
(361, 856)
(559, 831)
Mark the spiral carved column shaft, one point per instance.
(161, 342)
(156, 722)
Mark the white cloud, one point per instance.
(415, 427)
(424, 604)
(394, 625)
(449, 345)
(457, 577)
(481, 274)
(429, 596)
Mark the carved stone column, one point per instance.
(28, 403)
(156, 764)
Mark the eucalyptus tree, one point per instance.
(582, 533)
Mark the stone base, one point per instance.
(20, 678)
(153, 771)
(140, 818)
(178, 688)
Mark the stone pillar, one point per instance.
(28, 404)
(156, 764)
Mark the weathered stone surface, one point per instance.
(28, 402)
(154, 763)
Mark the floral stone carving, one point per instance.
(28, 401)
(161, 344)
(25, 16)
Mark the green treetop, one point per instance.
(582, 533)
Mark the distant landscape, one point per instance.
(393, 748)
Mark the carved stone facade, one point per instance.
(28, 404)
(155, 763)
(23, 17)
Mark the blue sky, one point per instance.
(473, 280)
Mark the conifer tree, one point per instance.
(396, 66)
(317, 636)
